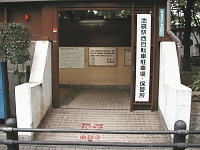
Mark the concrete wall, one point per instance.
(34, 98)
(119, 75)
(28, 106)
(174, 98)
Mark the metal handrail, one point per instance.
(10, 129)
(179, 141)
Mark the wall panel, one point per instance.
(16, 14)
(119, 75)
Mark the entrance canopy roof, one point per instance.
(6, 1)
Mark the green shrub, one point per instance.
(196, 83)
(14, 44)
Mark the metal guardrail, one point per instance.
(179, 141)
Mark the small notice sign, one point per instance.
(143, 50)
(102, 56)
(71, 57)
(128, 59)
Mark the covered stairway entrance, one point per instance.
(94, 58)
(97, 47)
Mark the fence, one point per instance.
(179, 141)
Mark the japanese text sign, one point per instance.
(143, 57)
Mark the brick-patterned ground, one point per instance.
(100, 119)
(108, 120)
(95, 98)
(100, 110)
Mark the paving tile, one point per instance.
(109, 108)
(103, 110)
(96, 99)
(109, 119)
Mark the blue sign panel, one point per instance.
(2, 105)
(2, 91)
(161, 22)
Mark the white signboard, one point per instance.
(71, 57)
(143, 57)
(102, 56)
(127, 56)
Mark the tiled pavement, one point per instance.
(101, 110)
(85, 148)
(103, 120)
(100, 119)
(92, 98)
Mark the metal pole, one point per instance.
(179, 137)
(12, 135)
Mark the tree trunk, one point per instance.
(197, 23)
(186, 36)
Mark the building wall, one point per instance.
(119, 75)
(16, 14)
(44, 17)
(1, 13)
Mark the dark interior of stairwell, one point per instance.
(95, 86)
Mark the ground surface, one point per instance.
(91, 98)
(103, 120)
(98, 110)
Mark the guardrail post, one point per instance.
(11, 135)
(179, 138)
